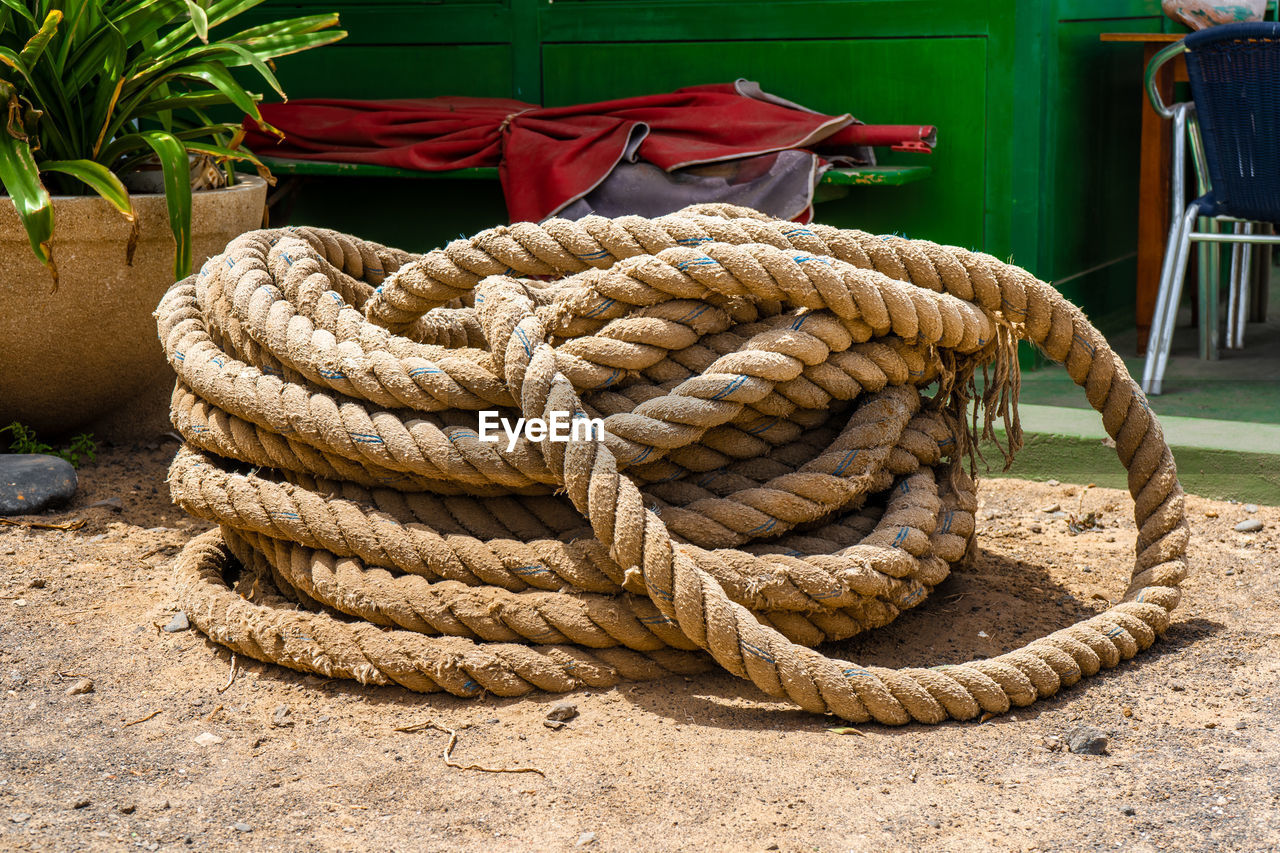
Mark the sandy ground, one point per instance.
(704, 763)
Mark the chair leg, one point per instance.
(1242, 301)
(1210, 268)
(1172, 275)
(1233, 288)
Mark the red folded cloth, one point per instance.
(547, 157)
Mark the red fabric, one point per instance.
(546, 157)
(912, 137)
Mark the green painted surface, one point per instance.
(877, 176)
(1220, 474)
(420, 71)
(881, 81)
(401, 213)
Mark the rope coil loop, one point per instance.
(768, 475)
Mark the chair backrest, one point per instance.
(1235, 80)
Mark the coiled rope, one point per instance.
(770, 477)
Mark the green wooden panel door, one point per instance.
(373, 72)
(880, 81)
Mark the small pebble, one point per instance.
(554, 725)
(1035, 528)
(80, 803)
(1051, 508)
(208, 739)
(348, 829)
(1253, 525)
(84, 685)
(1210, 725)
(280, 717)
(1052, 483)
(37, 583)
(127, 808)
(241, 826)
(1210, 514)
(114, 504)
(1250, 507)
(1087, 740)
(1240, 724)
(179, 622)
(1129, 811)
(562, 712)
(585, 838)
(20, 817)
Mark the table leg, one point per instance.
(1153, 198)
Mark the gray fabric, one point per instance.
(779, 184)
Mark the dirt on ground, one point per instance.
(173, 749)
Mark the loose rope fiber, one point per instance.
(769, 478)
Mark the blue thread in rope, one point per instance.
(731, 387)
(849, 456)
(524, 342)
(755, 651)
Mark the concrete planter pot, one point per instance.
(86, 357)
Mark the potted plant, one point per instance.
(105, 100)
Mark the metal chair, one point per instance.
(1234, 128)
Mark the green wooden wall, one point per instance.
(1037, 120)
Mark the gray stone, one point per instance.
(84, 685)
(1087, 740)
(585, 838)
(29, 482)
(562, 712)
(241, 826)
(114, 504)
(280, 717)
(1250, 526)
(1250, 507)
(179, 622)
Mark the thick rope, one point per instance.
(770, 476)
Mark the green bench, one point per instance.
(835, 183)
